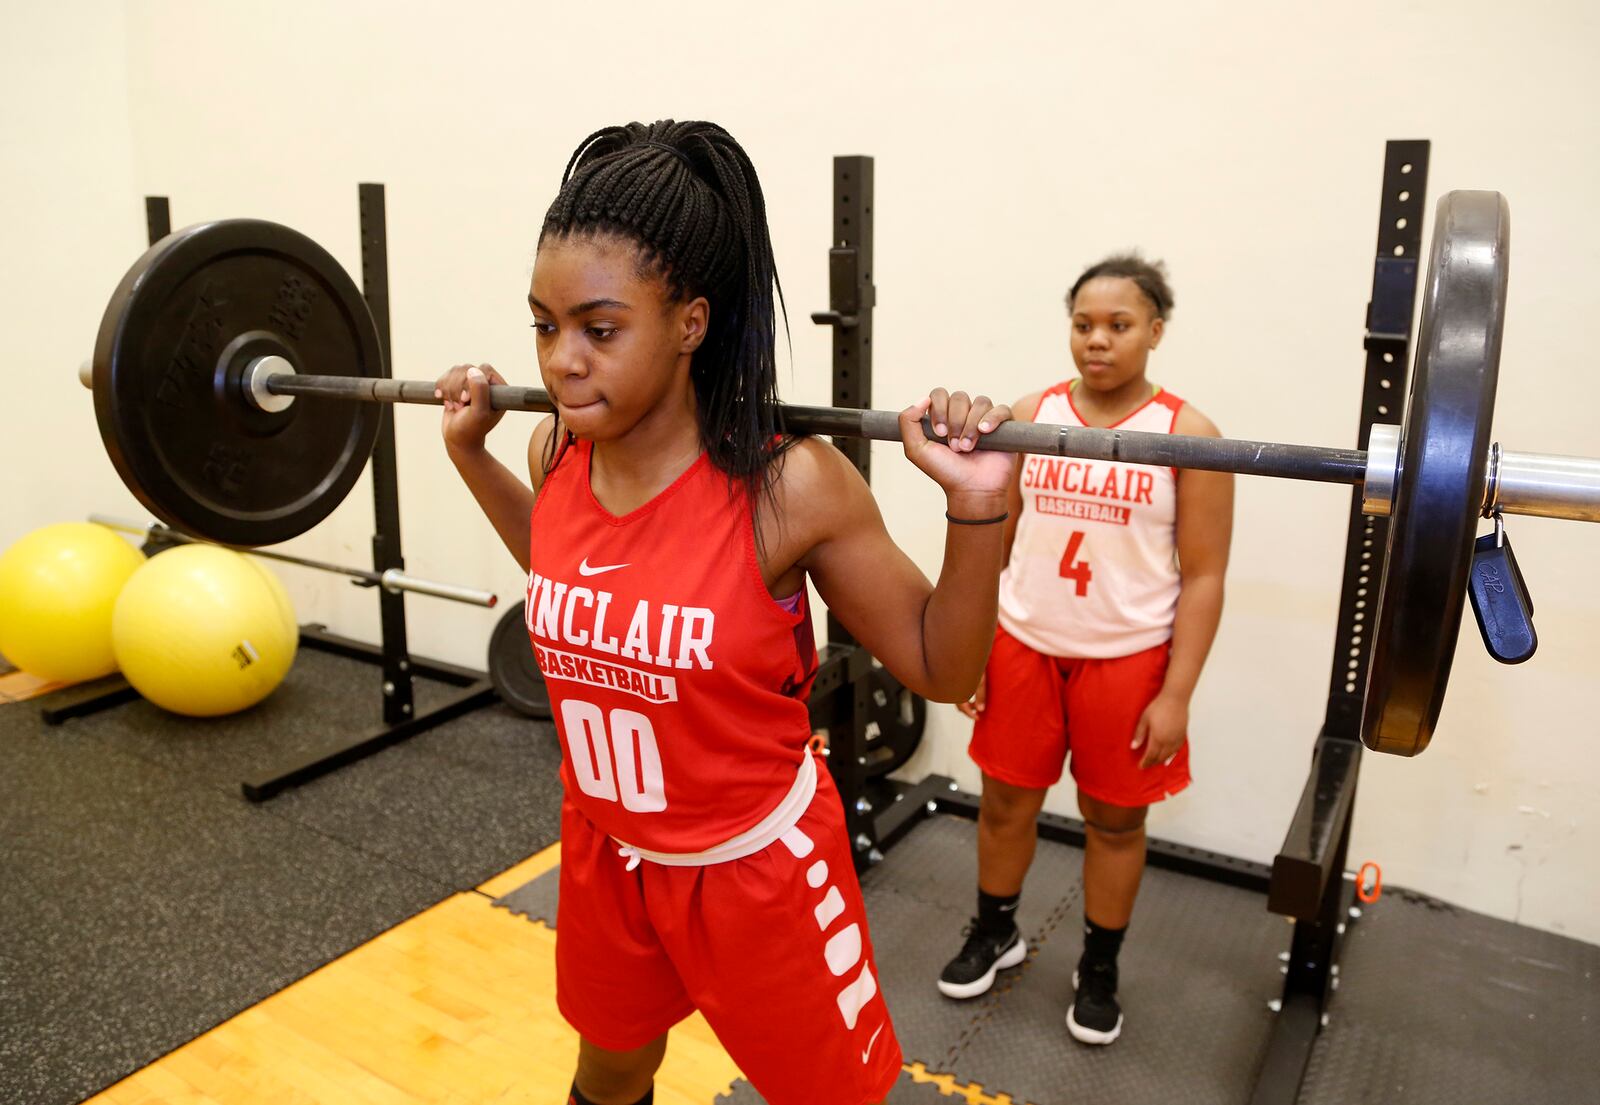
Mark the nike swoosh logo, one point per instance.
(870, 1042)
(585, 570)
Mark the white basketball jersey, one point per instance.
(1094, 566)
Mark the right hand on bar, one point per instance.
(468, 418)
(957, 465)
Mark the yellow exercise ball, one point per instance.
(57, 588)
(203, 631)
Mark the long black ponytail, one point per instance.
(687, 195)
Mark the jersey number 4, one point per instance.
(1074, 569)
(615, 757)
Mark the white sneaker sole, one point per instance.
(961, 991)
(1089, 1035)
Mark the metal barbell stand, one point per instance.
(392, 654)
(838, 701)
(1307, 880)
(1308, 874)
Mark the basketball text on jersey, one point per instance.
(659, 634)
(1079, 477)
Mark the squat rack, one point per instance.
(1306, 881)
(388, 579)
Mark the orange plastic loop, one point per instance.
(818, 742)
(1365, 893)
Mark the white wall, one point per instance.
(73, 224)
(1014, 144)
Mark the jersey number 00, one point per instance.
(615, 756)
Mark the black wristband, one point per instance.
(1001, 517)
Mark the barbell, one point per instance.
(392, 580)
(205, 407)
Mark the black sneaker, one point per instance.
(1095, 1016)
(972, 972)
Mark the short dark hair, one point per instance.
(1150, 276)
(687, 195)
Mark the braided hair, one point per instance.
(1150, 278)
(687, 195)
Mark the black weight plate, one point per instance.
(175, 339)
(1439, 488)
(512, 669)
(895, 719)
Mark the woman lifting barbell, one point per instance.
(1108, 605)
(704, 860)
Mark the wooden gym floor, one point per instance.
(455, 1005)
(19, 686)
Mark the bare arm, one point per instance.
(934, 637)
(1024, 410)
(1204, 534)
(500, 493)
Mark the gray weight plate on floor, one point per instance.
(896, 718)
(1439, 488)
(512, 668)
(181, 329)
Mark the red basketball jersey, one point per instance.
(677, 683)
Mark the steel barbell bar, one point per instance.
(392, 580)
(1539, 484)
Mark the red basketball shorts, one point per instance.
(772, 948)
(1038, 709)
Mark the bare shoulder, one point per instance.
(817, 494)
(538, 445)
(1024, 409)
(1191, 421)
(813, 475)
